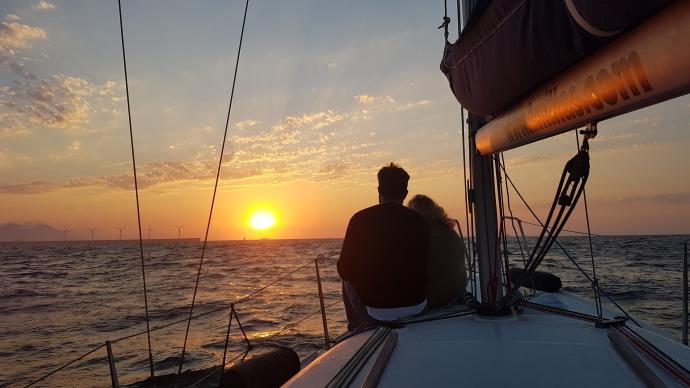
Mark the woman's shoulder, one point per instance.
(441, 230)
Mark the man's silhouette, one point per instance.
(383, 261)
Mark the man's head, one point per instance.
(392, 184)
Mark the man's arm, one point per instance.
(348, 254)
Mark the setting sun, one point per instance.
(262, 219)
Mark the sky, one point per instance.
(326, 94)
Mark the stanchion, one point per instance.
(327, 339)
(227, 338)
(111, 363)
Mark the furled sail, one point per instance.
(511, 46)
(647, 65)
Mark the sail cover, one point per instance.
(509, 47)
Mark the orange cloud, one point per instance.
(15, 35)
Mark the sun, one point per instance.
(262, 220)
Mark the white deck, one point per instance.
(534, 349)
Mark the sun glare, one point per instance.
(262, 219)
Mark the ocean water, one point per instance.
(60, 300)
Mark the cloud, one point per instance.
(74, 146)
(15, 35)
(43, 6)
(369, 106)
(9, 159)
(247, 124)
(309, 147)
(30, 101)
(71, 149)
(28, 188)
(413, 105)
(59, 101)
(368, 100)
(313, 120)
(149, 175)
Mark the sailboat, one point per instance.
(525, 71)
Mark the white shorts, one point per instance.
(395, 313)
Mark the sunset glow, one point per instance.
(310, 126)
(262, 220)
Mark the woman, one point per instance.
(446, 267)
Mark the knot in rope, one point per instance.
(444, 25)
(590, 132)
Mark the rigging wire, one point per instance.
(446, 22)
(570, 186)
(470, 234)
(571, 258)
(567, 230)
(136, 188)
(595, 280)
(63, 366)
(502, 232)
(214, 310)
(217, 309)
(512, 217)
(461, 19)
(215, 189)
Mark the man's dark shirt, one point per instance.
(384, 256)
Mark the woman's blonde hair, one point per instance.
(430, 210)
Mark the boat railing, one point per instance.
(232, 306)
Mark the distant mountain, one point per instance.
(29, 232)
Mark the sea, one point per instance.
(61, 300)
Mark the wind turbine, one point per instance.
(179, 231)
(120, 229)
(92, 231)
(65, 231)
(149, 230)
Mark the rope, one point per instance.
(215, 189)
(136, 187)
(597, 297)
(64, 366)
(570, 187)
(582, 271)
(446, 21)
(663, 359)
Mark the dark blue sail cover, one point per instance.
(509, 47)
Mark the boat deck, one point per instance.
(535, 348)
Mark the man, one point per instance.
(383, 261)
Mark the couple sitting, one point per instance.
(397, 261)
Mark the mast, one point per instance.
(483, 203)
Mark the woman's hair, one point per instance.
(430, 210)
